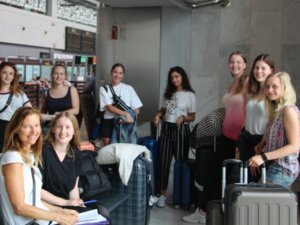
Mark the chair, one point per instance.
(33, 93)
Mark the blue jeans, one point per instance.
(276, 176)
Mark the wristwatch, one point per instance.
(264, 157)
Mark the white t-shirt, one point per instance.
(127, 94)
(18, 100)
(9, 216)
(181, 103)
(256, 118)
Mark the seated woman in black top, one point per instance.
(61, 162)
(60, 96)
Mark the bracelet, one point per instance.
(264, 157)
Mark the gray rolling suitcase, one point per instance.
(215, 208)
(259, 204)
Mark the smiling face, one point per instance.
(117, 75)
(29, 131)
(59, 75)
(7, 75)
(63, 130)
(236, 65)
(176, 80)
(261, 71)
(274, 88)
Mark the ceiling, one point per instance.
(137, 3)
(151, 3)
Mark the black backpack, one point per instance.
(93, 182)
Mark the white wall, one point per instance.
(40, 30)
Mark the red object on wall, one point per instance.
(114, 32)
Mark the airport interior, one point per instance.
(149, 37)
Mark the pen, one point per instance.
(90, 201)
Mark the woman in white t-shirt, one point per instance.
(127, 95)
(9, 85)
(178, 110)
(18, 166)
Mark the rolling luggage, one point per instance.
(183, 183)
(187, 194)
(253, 204)
(262, 204)
(177, 183)
(152, 144)
(136, 209)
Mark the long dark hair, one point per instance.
(253, 85)
(14, 86)
(171, 89)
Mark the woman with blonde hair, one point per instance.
(60, 96)
(20, 179)
(61, 162)
(281, 142)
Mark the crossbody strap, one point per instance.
(7, 102)
(33, 188)
(124, 106)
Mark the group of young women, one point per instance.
(261, 125)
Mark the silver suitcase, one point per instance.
(259, 204)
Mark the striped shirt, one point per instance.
(276, 138)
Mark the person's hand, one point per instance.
(156, 120)
(75, 202)
(68, 218)
(129, 118)
(237, 154)
(180, 120)
(256, 161)
(254, 171)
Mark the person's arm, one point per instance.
(189, 118)
(74, 194)
(14, 184)
(159, 115)
(75, 101)
(119, 112)
(44, 113)
(55, 200)
(291, 127)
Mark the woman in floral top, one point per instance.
(281, 142)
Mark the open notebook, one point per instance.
(92, 218)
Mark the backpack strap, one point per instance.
(7, 102)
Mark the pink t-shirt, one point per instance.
(235, 114)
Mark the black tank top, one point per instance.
(54, 105)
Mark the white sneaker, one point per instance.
(161, 201)
(196, 217)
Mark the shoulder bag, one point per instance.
(118, 102)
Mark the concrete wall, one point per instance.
(137, 47)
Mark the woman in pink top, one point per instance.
(234, 103)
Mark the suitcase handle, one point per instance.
(263, 173)
(224, 165)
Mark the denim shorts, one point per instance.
(276, 176)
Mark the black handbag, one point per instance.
(118, 102)
(33, 222)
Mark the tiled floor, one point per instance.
(167, 216)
